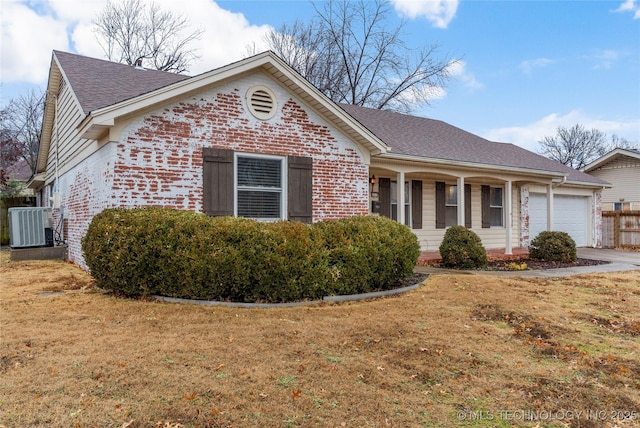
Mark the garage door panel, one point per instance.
(570, 215)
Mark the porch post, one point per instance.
(400, 199)
(550, 206)
(461, 198)
(509, 217)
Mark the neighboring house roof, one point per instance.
(98, 83)
(612, 155)
(420, 137)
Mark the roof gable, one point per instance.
(612, 155)
(100, 119)
(434, 139)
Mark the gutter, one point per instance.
(463, 164)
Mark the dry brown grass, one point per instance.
(461, 346)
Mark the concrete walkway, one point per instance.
(620, 261)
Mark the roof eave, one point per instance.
(48, 118)
(474, 165)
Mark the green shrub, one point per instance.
(139, 252)
(367, 253)
(554, 247)
(461, 248)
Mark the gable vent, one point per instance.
(261, 102)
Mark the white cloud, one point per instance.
(527, 136)
(530, 65)
(458, 70)
(630, 6)
(27, 41)
(438, 12)
(26, 53)
(606, 58)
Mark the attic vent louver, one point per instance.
(261, 102)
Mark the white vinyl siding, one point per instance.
(64, 135)
(430, 237)
(623, 175)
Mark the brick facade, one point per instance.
(158, 160)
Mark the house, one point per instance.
(621, 168)
(255, 139)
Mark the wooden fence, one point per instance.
(620, 229)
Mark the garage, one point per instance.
(571, 215)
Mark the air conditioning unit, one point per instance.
(30, 227)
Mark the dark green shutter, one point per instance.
(441, 214)
(300, 189)
(416, 204)
(467, 206)
(486, 206)
(384, 189)
(217, 181)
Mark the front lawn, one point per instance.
(463, 350)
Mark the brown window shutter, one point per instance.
(467, 206)
(217, 181)
(384, 188)
(486, 205)
(300, 189)
(441, 215)
(416, 204)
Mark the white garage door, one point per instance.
(570, 215)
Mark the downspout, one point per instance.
(564, 180)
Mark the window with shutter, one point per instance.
(259, 187)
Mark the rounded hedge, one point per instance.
(461, 248)
(553, 247)
(145, 251)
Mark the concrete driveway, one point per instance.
(615, 256)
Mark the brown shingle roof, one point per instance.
(434, 139)
(98, 83)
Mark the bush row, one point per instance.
(145, 251)
(461, 248)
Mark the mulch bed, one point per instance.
(533, 264)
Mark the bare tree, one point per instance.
(577, 147)
(351, 54)
(132, 32)
(20, 126)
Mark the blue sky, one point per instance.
(526, 67)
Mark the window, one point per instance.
(447, 205)
(451, 205)
(496, 207)
(622, 206)
(259, 187)
(388, 195)
(407, 202)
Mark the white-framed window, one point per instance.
(407, 202)
(622, 206)
(260, 186)
(451, 205)
(496, 206)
